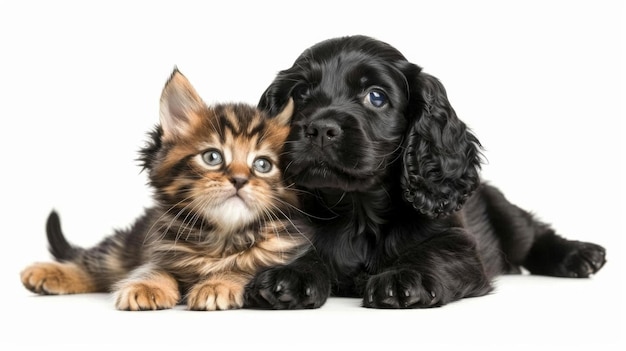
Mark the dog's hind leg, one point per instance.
(525, 241)
(553, 255)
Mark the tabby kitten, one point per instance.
(221, 214)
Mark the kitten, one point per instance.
(221, 214)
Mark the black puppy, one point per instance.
(389, 176)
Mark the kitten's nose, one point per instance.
(323, 132)
(238, 181)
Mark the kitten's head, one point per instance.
(216, 164)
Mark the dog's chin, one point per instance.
(324, 176)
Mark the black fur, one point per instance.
(59, 247)
(389, 175)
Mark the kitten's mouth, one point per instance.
(237, 199)
(232, 212)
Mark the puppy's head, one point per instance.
(364, 115)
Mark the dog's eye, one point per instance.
(301, 91)
(376, 98)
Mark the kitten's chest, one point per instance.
(201, 256)
(244, 252)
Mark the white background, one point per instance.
(540, 83)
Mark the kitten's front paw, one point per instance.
(54, 278)
(216, 294)
(283, 288)
(583, 260)
(145, 296)
(402, 288)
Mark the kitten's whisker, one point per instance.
(292, 187)
(287, 167)
(158, 220)
(197, 215)
(278, 199)
(183, 222)
(293, 224)
(176, 219)
(273, 219)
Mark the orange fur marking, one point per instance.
(219, 292)
(157, 291)
(54, 278)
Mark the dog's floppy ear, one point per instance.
(441, 156)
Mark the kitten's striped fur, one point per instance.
(221, 214)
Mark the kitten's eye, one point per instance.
(262, 165)
(376, 98)
(213, 158)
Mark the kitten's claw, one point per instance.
(215, 295)
(145, 296)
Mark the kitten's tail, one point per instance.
(59, 247)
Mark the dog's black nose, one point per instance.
(323, 132)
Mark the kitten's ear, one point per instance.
(284, 116)
(180, 104)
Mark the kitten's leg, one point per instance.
(147, 288)
(222, 291)
(55, 278)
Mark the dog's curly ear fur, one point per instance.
(441, 155)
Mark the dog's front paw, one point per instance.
(402, 288)
(286, 287)
(582, 260)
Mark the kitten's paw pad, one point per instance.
(401, 288)
(286, 288)
(54, 278)
(216, 295)
(585, 259)
(145, 296)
